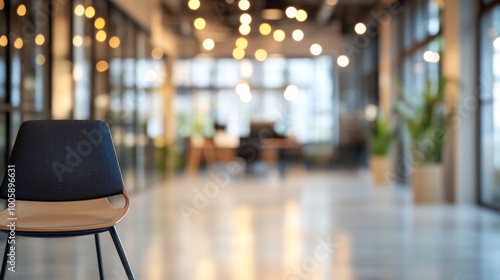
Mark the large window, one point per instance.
(489, 33)
(206, 86)
(83, 59)
(421, 44)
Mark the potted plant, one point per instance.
(426, 120)
(380, 142)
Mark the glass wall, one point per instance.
(207, 86)
(421, 44)
(489, 136)
(82, 59)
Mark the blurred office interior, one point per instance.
(253, 134)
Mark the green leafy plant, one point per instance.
(426, 120)
(380, 140)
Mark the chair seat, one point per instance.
(43, 216)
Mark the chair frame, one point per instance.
(112, 231)
(58, 234)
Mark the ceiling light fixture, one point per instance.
(343, 61)
(90, 12)
(298, 35)
(301, 15)
(291, 12)
(39, 39)
(4, 40)
(238, 53)
(100, 36)
(99, 23)
(245, 19)
(79, 10)
(194, 4)
(279, 35)
(18, 43)
(272, 14)
(316, 49)
(208, 44)
(244, 5)
(77, 41)
(245, 29)
(360, 28)
(200, 23)
(260, 55)
(265, 29)
(114, 42)
(21, 10)
(241, 43)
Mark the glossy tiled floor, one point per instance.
(308, 225)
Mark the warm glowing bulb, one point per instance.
(279, 35)
(245, 19)
(39, 39)
(90, 12)
(316, 49)
(360, 28)
(99, 23)
(200, 23)
(100, 36)
(301, 15)
(157, 53)
(238, 53)
(114, 42)
(208, 44)
(343, 61)
(77, 41)
(245, 29)
(291, 92)
(298, 35)
(291, 12)
(101, 66)
(40, 59)
(2, 5)
(261, 55)
(194, 4)
(79, 10)
(4, 40)
(21, 10)
(265, 29)
(244, 5)
(241, 43)
(18, 43)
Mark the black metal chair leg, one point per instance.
(99, 257)
(121, 253)
(4, 263)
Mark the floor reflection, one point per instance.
(306, 225)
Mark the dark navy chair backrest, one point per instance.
(64, 160)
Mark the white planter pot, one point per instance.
(427, 184)
(380, 168)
